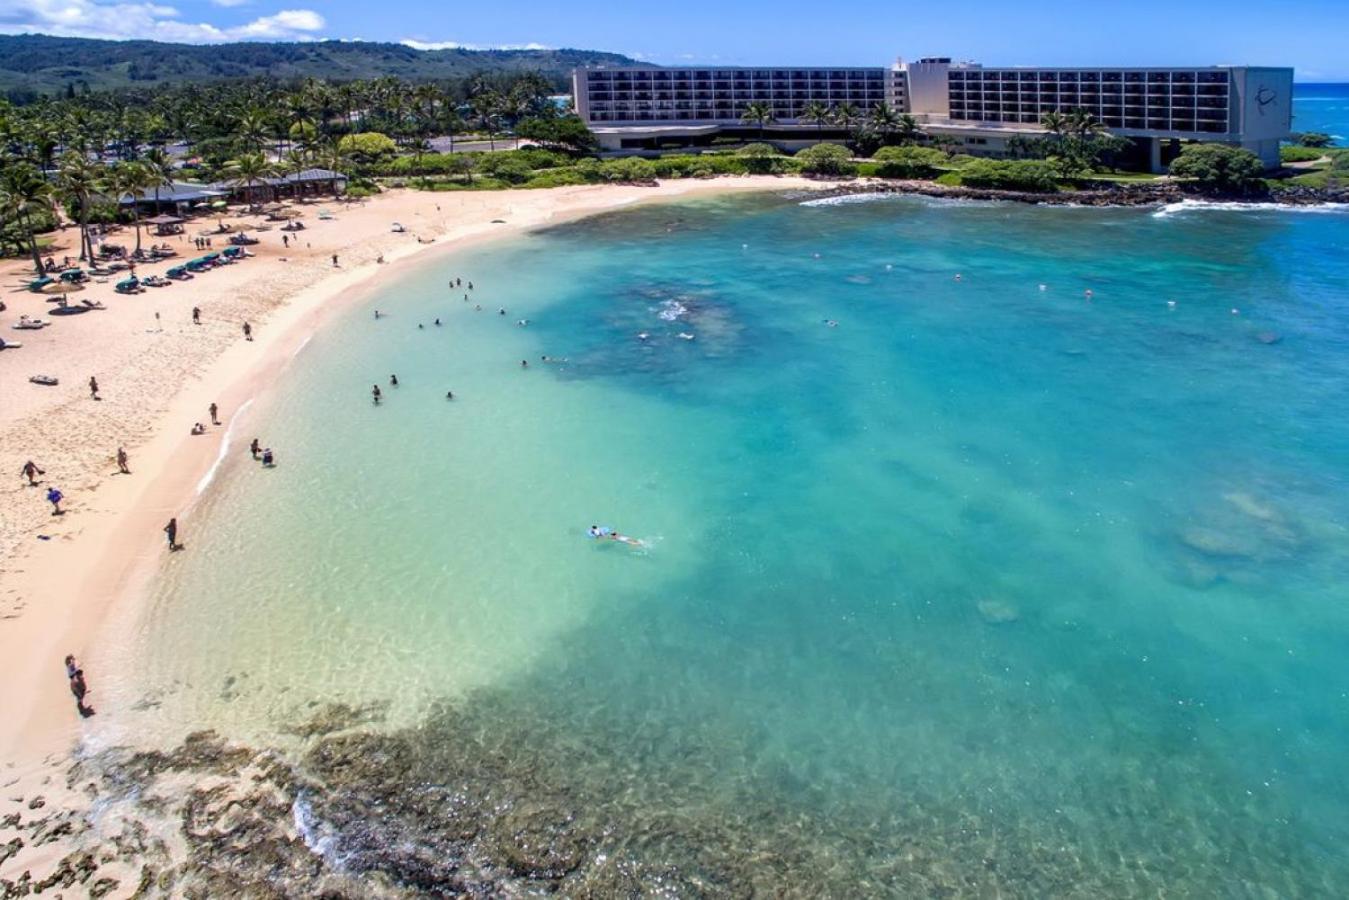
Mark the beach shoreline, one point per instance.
(58, 593)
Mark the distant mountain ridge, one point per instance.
(42, 64)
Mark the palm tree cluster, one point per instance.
(87, 152)
(880, 126)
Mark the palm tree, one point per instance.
(23, 192)
(248, 170)
(252, 129)
(910, 132)
(77, 182)
(759, 113)
(1054, 122)
(485, 106)
(159, 170)
(884, 119)
(845, 114)
(1082, 124)
(817, 114)
(129, 179)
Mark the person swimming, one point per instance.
(604, 532)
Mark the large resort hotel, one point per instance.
(976, 108)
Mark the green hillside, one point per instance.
(34, 64)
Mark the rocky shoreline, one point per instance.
(1114, 195)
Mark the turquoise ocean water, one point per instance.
(994, 586)
(1323, 108)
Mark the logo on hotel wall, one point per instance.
(1264, 97)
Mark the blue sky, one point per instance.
(1307, 35)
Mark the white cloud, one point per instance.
(455, 45)
(146, 20)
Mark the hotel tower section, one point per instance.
(977, 108)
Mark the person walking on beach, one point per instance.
(93, 388)
(122, 461)
(171, 531)
(54, 497)
(196, 315)
(29, 471)
(78, 687)
(334, 260)
(215, 419)
(248, 332)
(374, 392)
(285, 241)
(254, 448)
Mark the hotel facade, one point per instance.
(976, 108)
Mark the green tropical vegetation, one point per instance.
(35, 65)
(1299, 154)
(1217, 167)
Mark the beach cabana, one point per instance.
(129, 286)
(178, 273)
(38, 284)
(166, 225)
(200, 264)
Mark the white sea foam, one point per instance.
(847, 199)
(671, 310)
(1188, 206)
(224, 449)
(315, 834)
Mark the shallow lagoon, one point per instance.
(991, 586)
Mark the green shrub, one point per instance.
(909, 162)
(627, 168)
(826, 159)
(761, 158)
(1009, 175)
(508, 168)
(557, 177)
(367, 147)
(1299, 154)
(1314, 139)
(1219, 167)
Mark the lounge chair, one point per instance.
(49, 380)
(93, 304)
(74, 276)
(155, 281)
(9, 345)
(27, 323)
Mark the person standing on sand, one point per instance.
(93, 387)
(215, 419)
(248, 332)
(30, 470)
(171, 531)
(71, 666)
(254, 448)
(374, 392)
(79, 689)
(334, 260)
(393, 380)
(196, 315)
(54, 497)
(122, 461)
(285, 241)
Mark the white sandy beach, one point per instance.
(157, 378)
